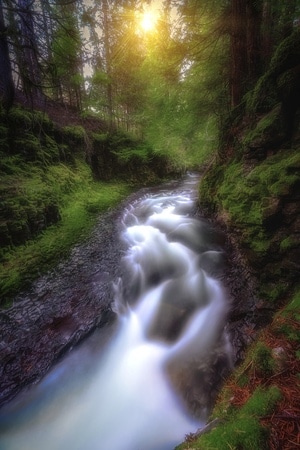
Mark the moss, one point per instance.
(294, 305)
(248, 198)
(4, 145)
(245, 433)
(74, 132)
(20, 117)
(242, 430)
(75, 137)
(287, 55)
(263, 360)
(271, 292)
(269, 131)
(100, 137)
(68, 192)
(288, 243)
(141, 154)
(41, 120)
(264, 96)
(287, 82)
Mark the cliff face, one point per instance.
(254, 183)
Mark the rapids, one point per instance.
(147, 380)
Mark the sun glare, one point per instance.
(148, 20)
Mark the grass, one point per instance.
(81, 199)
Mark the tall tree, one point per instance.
(238, 49)
(30, 68)
(6, 80)
(66, 55)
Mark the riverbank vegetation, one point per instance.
(106, 104)
(54, 182)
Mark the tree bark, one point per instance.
(6, 80)
(253, 40)
(108, 61)
(30, 68)
(238, 50)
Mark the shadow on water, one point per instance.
(147, 380)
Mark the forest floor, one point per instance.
(284, 422)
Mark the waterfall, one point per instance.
(171, 309)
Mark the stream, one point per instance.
(145, 380)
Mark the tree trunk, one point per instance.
(108, 61)
(253, 40)
(238, 50)
(267, 42)
(6, 79)
(30, 67)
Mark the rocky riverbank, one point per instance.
(60, 310)
(65, 306)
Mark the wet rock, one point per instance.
(60, 310)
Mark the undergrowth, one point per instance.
(80, 199)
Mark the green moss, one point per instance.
(51, 150)
(249, 198)
(10, 165)
(264, 96)
(263, 360)
(268, 130)
(272, 291)
(140, 154)
(261, 402)
(244, 433)
(20, 117)
(28, 146)
(287, 55)
(80, 199)
(291, 316)
(288, 243)
(4, 146)
(74, 132)
(100, 137)
(243, 380)
(243, 429)
(294, 305)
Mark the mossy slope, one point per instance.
(253, 189)
(53, 181)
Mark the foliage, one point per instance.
(77, 132)
(79, 200)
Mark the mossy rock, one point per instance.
(264, 96)
(270, 131)
(288, 82)
(287, 55)
(281, 76)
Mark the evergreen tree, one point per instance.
(6, 80)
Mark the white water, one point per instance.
(171, 312)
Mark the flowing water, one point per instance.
(146, 381)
